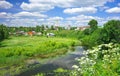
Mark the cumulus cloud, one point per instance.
(80, 3)
(55, 18)
(33, 22)
(103, 8)
(29, 14)
(5, 15)
(39, 7)
(113, 10)
(83, 19)
(5, 5)
(23, 22)
(45, 5)
(80, 10)
(111, 18)
(22, 15)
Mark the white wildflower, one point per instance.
(75, 66)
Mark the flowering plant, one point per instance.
(103, 60)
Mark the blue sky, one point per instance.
(60, 12)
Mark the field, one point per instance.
(16, 49)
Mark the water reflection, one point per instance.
(65, 62)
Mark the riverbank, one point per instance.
(50, 65)
(19, 51)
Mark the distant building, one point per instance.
(50, 34)
(31, 33)
(82, 28)
(19, 33)
(38, 33)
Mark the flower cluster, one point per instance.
(104, 54)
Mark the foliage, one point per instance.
(3, 32)
(87, 31)
(52, 27)
(93, 25)
(91, 40)
(74, 34)
(103, 60)
(17, 47)
(111, 32)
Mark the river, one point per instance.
(65, 61)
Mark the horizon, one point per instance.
(30, 13)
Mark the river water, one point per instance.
(65, 61)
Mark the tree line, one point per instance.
(110, 32)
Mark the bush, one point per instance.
(91, 40)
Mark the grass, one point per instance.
(16, 49)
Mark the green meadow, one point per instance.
(17, 49)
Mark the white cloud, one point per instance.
(83, 19)
(5, 15)
(55, 19)
(111, 0)
(45, 5)
(111, 18)
(29, 14)
(5, 5)
(103, 8)
(80, 3)
(113, 10)
(23, 22)
(80, 20)
(80, 10)
(39, 7)
(22, 15)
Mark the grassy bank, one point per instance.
(16, 49)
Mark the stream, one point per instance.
(65, 61)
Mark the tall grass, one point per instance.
(17, 49)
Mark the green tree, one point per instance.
(37, 28)
(86, 31)
(3, 32)
(52, 27)
(93, 25)
(111, 32)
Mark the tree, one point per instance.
(3, 32)
(93, 25)
(86, 31)
(111, 32)
(37, 28)
(52, 27)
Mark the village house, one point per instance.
(82, 28)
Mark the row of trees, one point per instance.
(38, 28)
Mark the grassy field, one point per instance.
(16, 49)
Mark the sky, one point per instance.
(57, 12)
